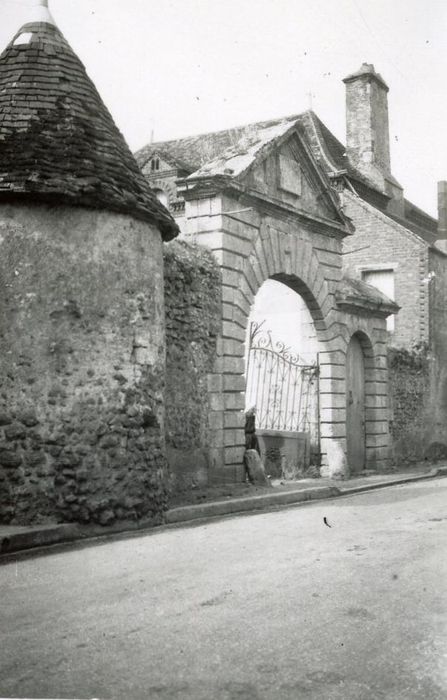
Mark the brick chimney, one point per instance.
(442, 210)
(367, 132)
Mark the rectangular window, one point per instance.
(383, 280)
(289, 175)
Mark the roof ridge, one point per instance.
(419, 210)
(320, 123)
(223, 131)
(316, 123)
(196, 150)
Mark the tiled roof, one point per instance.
(251, 145)
(206, 153)
(231, 151)
(326, 147)
(328, 150)
(58, 142)
(193, 152)
(420, 222)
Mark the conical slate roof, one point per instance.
(58, 142)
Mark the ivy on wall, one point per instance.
(192, 307)
(409, 383)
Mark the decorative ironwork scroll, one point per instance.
(280, 385)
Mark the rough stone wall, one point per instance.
(411, 377)
(438, 302)
(82, 366)
(380, 242)
(192, 302)
(437, 426)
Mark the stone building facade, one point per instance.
(399, 248)
(393, 245)
(259, 200)
(82, 331)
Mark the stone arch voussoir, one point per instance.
(165, 186)
(292, 261)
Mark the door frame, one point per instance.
(355, 405)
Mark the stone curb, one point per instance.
(58, 534)
(440, 471)
(38, 537)
(239, 505)
(47, 535)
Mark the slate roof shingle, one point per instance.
(193, 152)
(214, 152)
(58, 141)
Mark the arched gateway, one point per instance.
(310, 263)
(264, 206)
(282, 381)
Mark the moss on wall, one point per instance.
(82, 370)
(413, 382)
(409, 375)
(192, 307)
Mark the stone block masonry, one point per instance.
(82, 366)
(310, 263)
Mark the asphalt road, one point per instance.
(274, 605)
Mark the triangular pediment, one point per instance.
(289, 174)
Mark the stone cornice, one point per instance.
(159, 174)
(203, 187)
(355, 304)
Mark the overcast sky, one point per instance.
(180, 67)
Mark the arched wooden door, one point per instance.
(355, 406)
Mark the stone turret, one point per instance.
(59, 142)
(81, 297)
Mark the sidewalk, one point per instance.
(14, 538)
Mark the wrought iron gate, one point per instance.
(281, 386)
